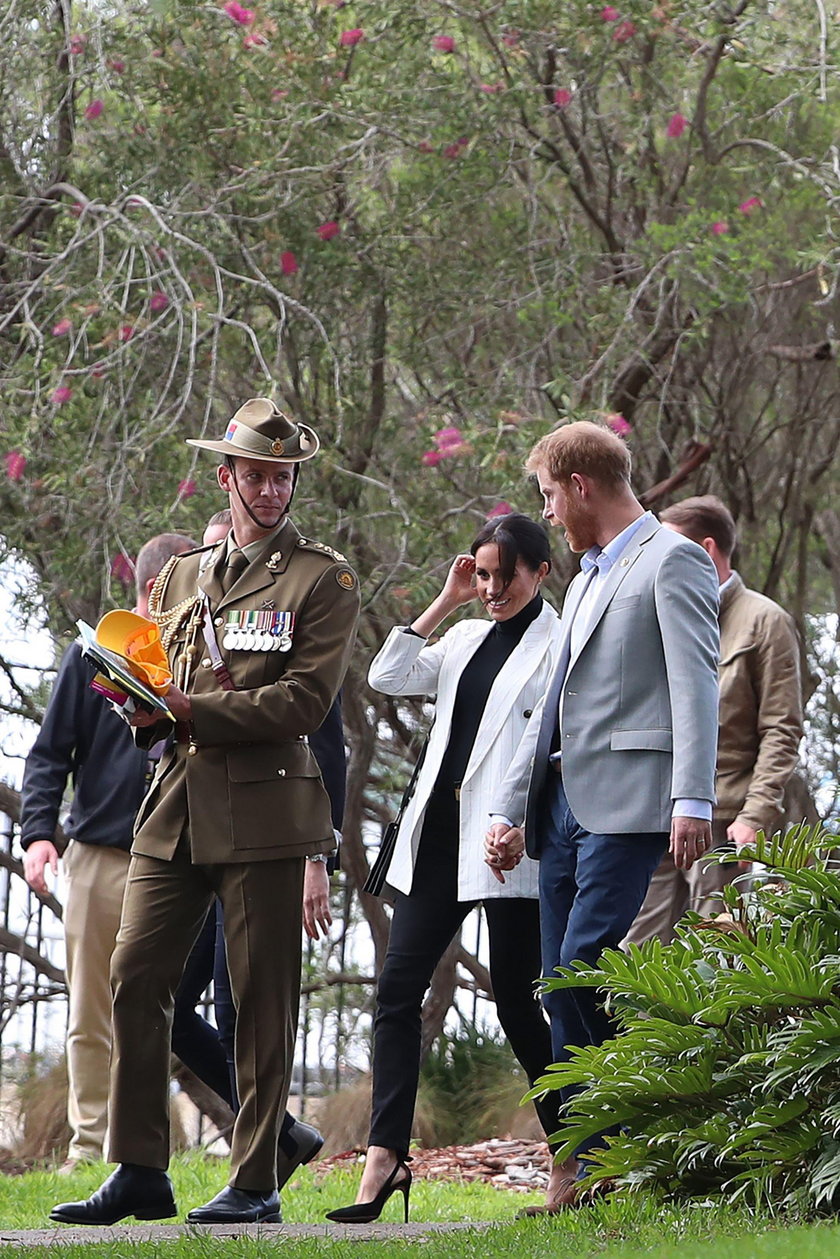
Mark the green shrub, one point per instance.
(725, 1076)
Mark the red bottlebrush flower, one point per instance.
(348, 39)
(451, 436)
(431, 457)
(511, 40)
(326, 231)
(255, 40)
(501, 509)
(623, 32)
(288, 263)
(122, 569)
(238, 14)
(61, 395)
(609, 14)
(94, 109)
(443, 43)
(453, 150)
(187, 488)
(62, 327)
(616, 421)
(278, 94)
(425, 146)
(676, 126)
(491, 88)
(15, 465)
(116, 65)
(77, 45)
(126, 332)
(752, 203)
(562, 97)
(720, 228)
(158, 301)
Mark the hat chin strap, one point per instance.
(253, 516)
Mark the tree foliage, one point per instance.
(431, 231)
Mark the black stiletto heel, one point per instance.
(367, 1212)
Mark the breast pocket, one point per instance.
(276, 796)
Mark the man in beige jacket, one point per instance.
(760, 724)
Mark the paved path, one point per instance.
(65, 1236)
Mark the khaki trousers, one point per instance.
(674, 891)
(165, 905)
(95, 882)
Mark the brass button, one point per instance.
(191, 750)
(205, 664)
(219, 620)
(281, 773)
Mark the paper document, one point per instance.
(118, 669)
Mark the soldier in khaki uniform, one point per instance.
(259, 631)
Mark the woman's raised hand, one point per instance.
(458, 587)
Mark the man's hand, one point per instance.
(43, 852)
(503, 848)
(690, 838)
(741, 835)
(316, 899)
(179, 704)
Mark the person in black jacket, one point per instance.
(83, 738)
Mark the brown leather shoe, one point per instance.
(568, 1192)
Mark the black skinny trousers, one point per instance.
(423, 925)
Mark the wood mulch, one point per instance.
(522, 1166)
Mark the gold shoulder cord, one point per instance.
(171, 621)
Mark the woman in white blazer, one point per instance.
(488, 677)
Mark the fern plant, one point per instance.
(725, 1074)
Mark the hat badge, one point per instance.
(277, 446)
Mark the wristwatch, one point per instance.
(319, 856)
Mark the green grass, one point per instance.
(619, 1228)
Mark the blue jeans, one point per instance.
(591, 888)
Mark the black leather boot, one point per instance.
(295, 1147)
(239, 1206)
(144, 1192)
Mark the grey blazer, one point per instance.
(640, 697)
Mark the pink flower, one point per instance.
(15, 465)
(451, 436)
(616, 421)
(348, 39)
(752, 203)
(501, 509)
(236, 12)
(77, 45)
(61, 395)
(158, 301)
(255, 40)
(511, 40)
(126, 332)
(122, 569)
(62, 327)
(720, 228)
(94, 109)
(77, 209)
(491, 88)
(425, 146)
(609, 14)
(97, 371)
(116, 65)
(186, 489)
(278, 94)
(443, 43)
(327, 230)
(562, 97)
(623, 32)
(288, 263)
(676, 126)
(431, 457)
(452, 150)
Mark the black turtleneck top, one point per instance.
(474, 688)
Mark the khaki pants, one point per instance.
(166, 903)
(674, 891)
(95, 882)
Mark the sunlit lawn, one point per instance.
(624, 1225)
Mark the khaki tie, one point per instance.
(234, 569)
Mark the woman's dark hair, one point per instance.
(518, 538)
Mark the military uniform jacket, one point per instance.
(247, 786)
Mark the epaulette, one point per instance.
(310, 545)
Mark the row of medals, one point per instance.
(259, 631)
